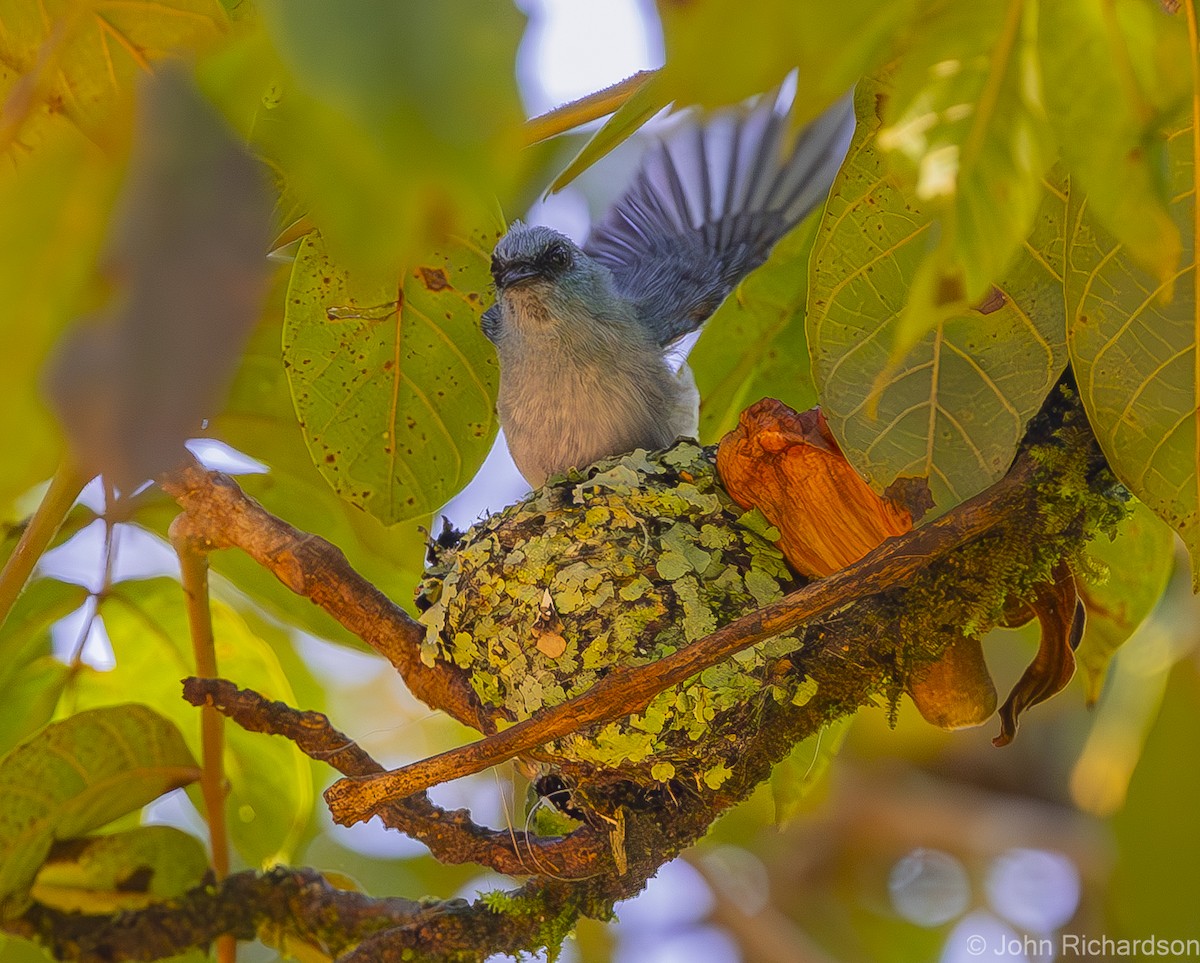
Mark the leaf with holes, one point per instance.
(1134, 353)
(954, 407)
(77, 775)
(393, 382)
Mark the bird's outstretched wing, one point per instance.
(710, 201)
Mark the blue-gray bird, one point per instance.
(582, 333)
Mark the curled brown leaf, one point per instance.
(1061, 613)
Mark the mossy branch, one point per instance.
(858, 629)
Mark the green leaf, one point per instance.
(119, 871)
(1156, 826)
(1134, 56)
(718, 53)
(794, 779)
(77, 775)
(393, 381)
(65, 67)
(31, 679)
(954, 407)
(58, 207)
(965, 128)
(1139, 562)
(1133, 349)
(645, 102)
(395, 125)
(754, 346)
(31, 694)
(25, 635)
(271, 797)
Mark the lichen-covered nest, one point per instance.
(619, 565)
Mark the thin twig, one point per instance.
(452, 837)
(193, 566)
(64, 488)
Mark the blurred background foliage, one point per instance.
(1020, 192)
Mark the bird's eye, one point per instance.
(559, 257)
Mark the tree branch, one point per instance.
(289, 904)
(223, 516)
(451, 836)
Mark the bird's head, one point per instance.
(546, 287)
(528, 254)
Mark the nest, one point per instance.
(620, 565)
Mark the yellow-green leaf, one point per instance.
(136, 381)
(965, 127)
(1139, 562)
(31, 678)
(58, 208)
(1134, 57)
(719, 53)
(794, 779)
(394, 125)
(121, 871)
(77, 775)
(1133, 349)
(64, 63)
(645, 102)
(393, 381)
(954, 407)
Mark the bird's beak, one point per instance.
(513, 274)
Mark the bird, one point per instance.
(583, 333)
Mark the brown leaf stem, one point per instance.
(64, 488)
(590, 107)
(193, 570)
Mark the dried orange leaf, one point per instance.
(789, 467)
